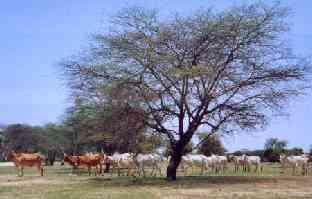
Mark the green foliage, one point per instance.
(276, 145)
(20, 137)
(222, 71)
(211, 145)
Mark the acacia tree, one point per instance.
(225, 71)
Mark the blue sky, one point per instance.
(36, 34)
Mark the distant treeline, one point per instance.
(52, 140)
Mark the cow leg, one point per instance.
(143, 172)
(139, 170)
(129, 171)
(112, 170)
(118, 171)
(202, 169)
(22, 171)
(101, 169)
(159, 170)
(153, 169)
(19, 173)
(96, 170)
(184, 170)
(40, 169)
(89, 170)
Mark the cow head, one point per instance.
(11, 155)
(282, 157)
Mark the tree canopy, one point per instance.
(226, 71)
(276, 145)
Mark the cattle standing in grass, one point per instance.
(253, 160)
(22, 160)
(193, 160)
(219, 163)
(239, 163)
(72, 160)
(148, 160)
(122, 161)
(295, 162)
(88, 160)
(91, 160)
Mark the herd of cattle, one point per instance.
(138, 163)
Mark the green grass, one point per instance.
(58, 183)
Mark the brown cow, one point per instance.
(22, 160)
(71, 160)
(92, 160)
(88, 160)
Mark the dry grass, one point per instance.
(59, 183)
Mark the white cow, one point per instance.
(194, 160)
(253, 160)
(239, 162)
(295, 162)
(124, 160)
(220, 163)
(211, 163)
(149, 160)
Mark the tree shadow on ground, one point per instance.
(187, 182)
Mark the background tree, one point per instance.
(21, 138)
(273, 148)
(295, 151)
(310, 153)
(54, 142)
(226, 71)
(111, 127)
(2, 139)
(276, 145)
(211, 145)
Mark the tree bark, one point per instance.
(173, 164)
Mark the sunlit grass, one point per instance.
(59, 182)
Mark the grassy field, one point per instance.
(59, 183)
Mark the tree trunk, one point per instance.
(173, 164)
(51, 157)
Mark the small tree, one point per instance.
(211, 145)
(21, 138)
(226, 71)
(276, 145)
(273, 148)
